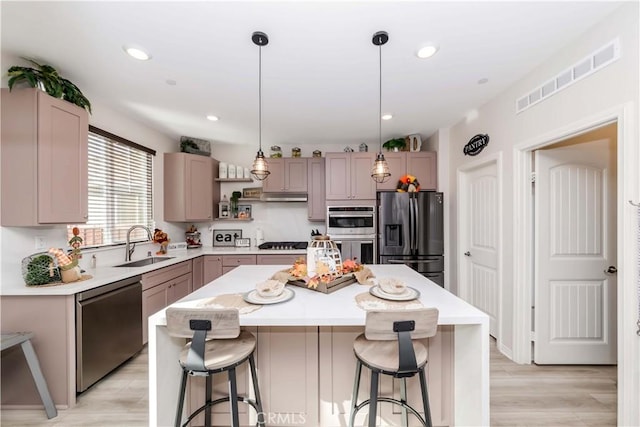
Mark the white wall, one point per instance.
(613, 86)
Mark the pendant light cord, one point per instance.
(380, 99)
(260, 97)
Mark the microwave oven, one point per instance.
(351, 221)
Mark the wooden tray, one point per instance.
(327, 288)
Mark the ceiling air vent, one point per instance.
(585, 67)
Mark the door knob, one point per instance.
(611, 270)
(467, 253)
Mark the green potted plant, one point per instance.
(47, 78)
(394, 144)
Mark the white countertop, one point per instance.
(313, 308)
(103, 275)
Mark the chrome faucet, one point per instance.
(130, 248)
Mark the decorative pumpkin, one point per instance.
(408, 184)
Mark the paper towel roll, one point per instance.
(259, 236)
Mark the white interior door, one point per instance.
(575, 254)
(479, 212)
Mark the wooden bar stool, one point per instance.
(387, 347)
(24, 339)
(217, 345)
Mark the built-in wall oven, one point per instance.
(353, 228)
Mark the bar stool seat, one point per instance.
(389, 347)
(217, 346)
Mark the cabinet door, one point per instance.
(198, 188)
(397, 162)
(316, 204)
(338, 175)
(62, 161)
(197, 273)
(153, 300)
(363, 187)
(423, 165)
(179, 288)
(212, 268)
(290, 395)
(295, 175)
(275, 182)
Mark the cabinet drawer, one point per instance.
(154, 278)
(236, 260)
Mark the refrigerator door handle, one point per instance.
(415, 222)
(411, 224)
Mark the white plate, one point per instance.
(408, 295)
(252, 297)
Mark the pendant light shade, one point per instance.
(260, 167)
(380, 171)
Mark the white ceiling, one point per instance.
(320, 69)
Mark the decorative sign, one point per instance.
(476, 144)
(243, 243)
(226, 237)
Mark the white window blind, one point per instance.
(120, 190)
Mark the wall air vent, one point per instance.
(596, 61)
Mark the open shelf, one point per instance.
(233, 180)
(233, 219)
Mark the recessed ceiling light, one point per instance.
(137, 52)
(387, 116)
(213, 118)
(483, 81)
(171, 82)
(427, 52)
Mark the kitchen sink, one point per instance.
(145, 261)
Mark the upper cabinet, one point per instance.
(348, 176)
(189, 192)
(421, 164)
(288, 175)
(316, 203)
(44, 159)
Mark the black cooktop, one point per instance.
(283, 245)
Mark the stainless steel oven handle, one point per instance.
(399, 261)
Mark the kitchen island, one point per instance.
(305, 355)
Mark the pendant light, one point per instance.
(260, 168)
(380, 171)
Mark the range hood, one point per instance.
(283, 197)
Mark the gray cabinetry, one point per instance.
(189, 191)
(348, 176)
(421, 164)
(288, 175)
(316, 204)
(44, 159)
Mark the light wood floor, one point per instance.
(521, 395)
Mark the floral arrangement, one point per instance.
(408, 184)
(323, 271)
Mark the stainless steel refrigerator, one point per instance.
(411, 232)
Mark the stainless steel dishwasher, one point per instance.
(108, 329)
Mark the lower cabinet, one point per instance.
(284, 259)
(212, 268)
(163, 287)
(197, 273)
(229, 262)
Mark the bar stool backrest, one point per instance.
(379, 325)
(224, 322)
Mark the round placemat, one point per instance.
(229, 301)
(366, 301)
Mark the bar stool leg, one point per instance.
(403, 399)
(373, 400)
(254, 378)
(207, 411)
(233, 398)
(38, 378)
(354, 398)
(183, 387)
(425, 397)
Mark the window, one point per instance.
(120, 190)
